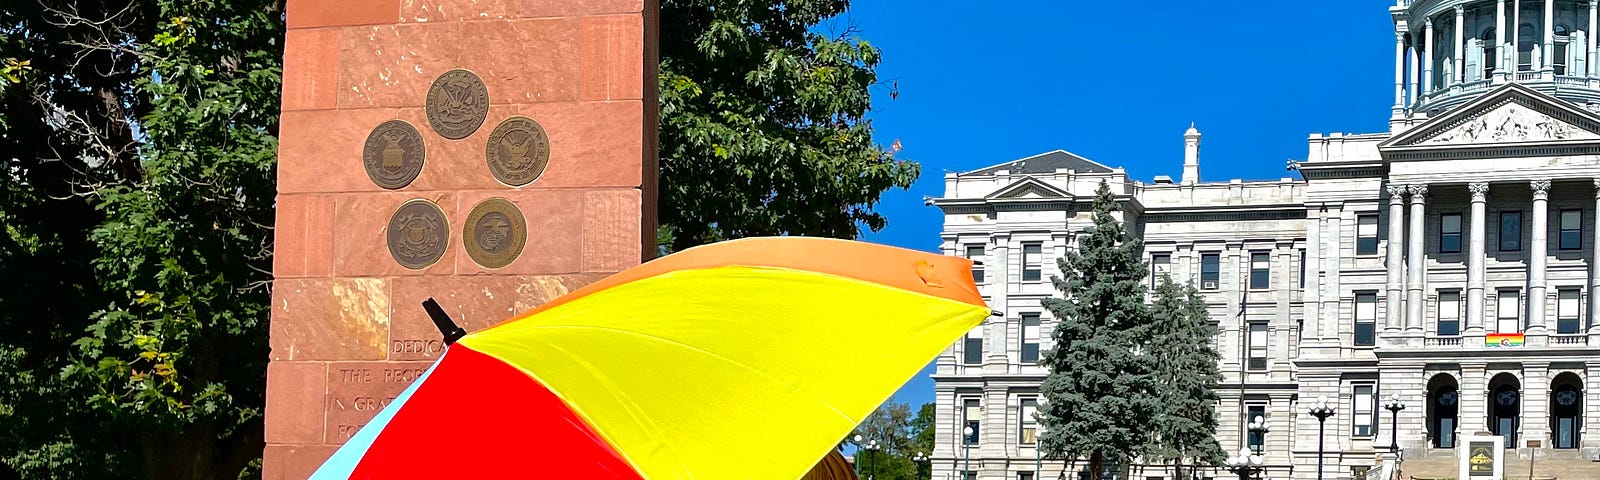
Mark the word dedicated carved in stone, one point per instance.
(393, 154)
(1512, 123)
(495, 233)
(457, 104)
(518, 151)
(418, 234)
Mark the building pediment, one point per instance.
(1504, 122)
(1029, 188)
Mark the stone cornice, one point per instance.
(1343, 169)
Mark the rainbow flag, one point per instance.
(1503, 340)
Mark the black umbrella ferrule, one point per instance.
(447, 327)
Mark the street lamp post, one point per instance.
(966, 447)
(919, 460)
(1322, 410)
(1245, 464)
(1394, 406)
(1258, 426)
(872, 469)
(857, 463)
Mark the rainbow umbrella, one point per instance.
(744, 359)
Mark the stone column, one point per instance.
(1594, 18)
(1399, 71)
(1594, 268)
(1394, 253)
(1475, 259)
(1427, 57)
(1417, 268)
(1499, 36)
(1538, 250)
(1457, 50)
(1549, 35)
(1516, 39)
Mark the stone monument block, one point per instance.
(387, 156)
(1482, 457)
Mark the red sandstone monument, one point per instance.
(570, 87)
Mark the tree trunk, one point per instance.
(1095, 462)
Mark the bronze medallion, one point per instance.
(495, 233)
(458, 102)
(393, 154)
(418, 234)
(518, 151)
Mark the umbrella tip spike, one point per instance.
(447, 327)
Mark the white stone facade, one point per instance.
(1387, 267)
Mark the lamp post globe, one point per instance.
(1258, 430)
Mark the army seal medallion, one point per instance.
(518, 151)
(495, 233)
(418, 234)
(457, 104)
(393, 154)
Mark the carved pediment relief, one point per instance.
(1029, 188)
(1510, 122)
(1500, 121)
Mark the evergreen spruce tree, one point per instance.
(1101, 391)
(1186, 362)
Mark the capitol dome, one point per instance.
(1448, 52)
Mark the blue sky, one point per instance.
(995, 80)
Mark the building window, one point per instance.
(1260, 271)
(1160, 265)
(1030, 338)
(1367, 235)
(1567, 310)
(1449, 313)
(970, 418)
(1510, 231)
(1302, 268)
(1571, 229)
(1032, 264)
(975, 253)
(1028, 426)
(1257, 440)
(1024, 475)
(1210, 271)
(1450, 233)
(1364, 411)
(972, 348)
(1508, 310)
(1366, 319)
(1258, 346)
(969, 475)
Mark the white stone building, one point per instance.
(1450, 261)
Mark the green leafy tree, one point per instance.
(1181, 344)
(134, 265)
(764, 127)
(900, 436)
(1101, 390)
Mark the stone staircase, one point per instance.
(1549, 464)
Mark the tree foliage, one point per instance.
(901, 436)
(1186, 359)
(137, 200)
(1101, 391)
(764, 127)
